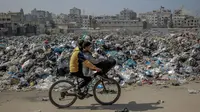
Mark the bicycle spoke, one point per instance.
(108, 93)
(63, 95)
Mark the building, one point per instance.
(157, 18)
(106, 17)
(41, 15)
(183, 20)
(60, 19)
(11, 21)
(30, 19)
(85, 21)
(75, 11)
(127, 14)
(75, 16)
(126, 24)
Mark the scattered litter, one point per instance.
(33, 62)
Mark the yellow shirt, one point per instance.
(76, 61)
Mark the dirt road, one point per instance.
(137, 99)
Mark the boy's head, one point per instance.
(86, 46)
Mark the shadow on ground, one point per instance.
(132, 106)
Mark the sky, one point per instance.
(97, 7)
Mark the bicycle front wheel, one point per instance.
(62, 94)
(109, 89)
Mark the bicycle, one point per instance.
(74, 89)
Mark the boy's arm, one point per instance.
(86, 62)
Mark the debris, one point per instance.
(45, 99)
(160, 101)
(29, 62)
(192, 91)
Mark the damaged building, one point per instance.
(11, 22)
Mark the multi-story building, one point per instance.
(85, 21)
(182, 20)
(107, 17)
(127, 14)
(126, 24)
(9, 22)
(30, 19)
(157, 18)
(60, 19)
(75, 16)
(41, 15)
(75, 11)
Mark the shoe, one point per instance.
(81, 96)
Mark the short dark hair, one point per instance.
(86, 44)
(80, 42)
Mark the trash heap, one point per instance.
(141, 59)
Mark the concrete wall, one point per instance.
(115, 24)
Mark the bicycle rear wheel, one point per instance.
(65, 89)
(101, 88)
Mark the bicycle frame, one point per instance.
(95, 76)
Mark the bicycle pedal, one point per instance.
(80, 96)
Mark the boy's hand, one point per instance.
(98, 70)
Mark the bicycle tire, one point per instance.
(51, 98)
(111, 102)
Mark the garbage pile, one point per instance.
(28, 62)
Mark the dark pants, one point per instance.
(86, 80)
(106, 65)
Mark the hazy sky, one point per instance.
(96, 7)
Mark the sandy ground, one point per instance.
(137, 99)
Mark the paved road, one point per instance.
(137, 99)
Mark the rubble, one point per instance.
(26, 61)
